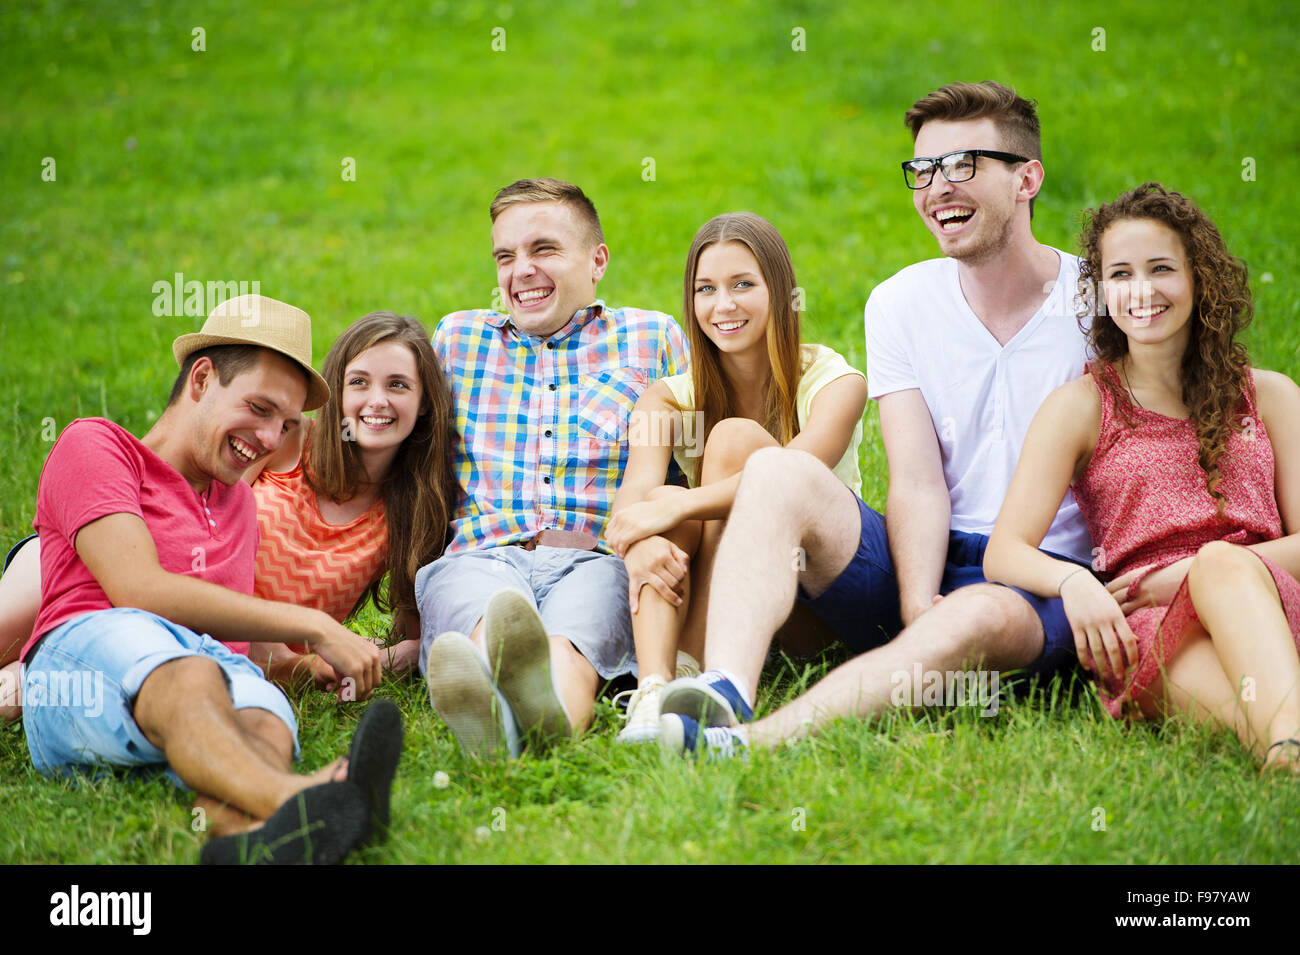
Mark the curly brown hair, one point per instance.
(1215, 366)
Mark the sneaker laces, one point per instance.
(652, 684)
(722, 742)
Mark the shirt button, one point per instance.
(550, 344)
(548, 432)
(552, 386)
(212, 522)
(546, 480)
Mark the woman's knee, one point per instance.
(730, 444)
(1220, 565)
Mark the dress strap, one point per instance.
(1097, 369)
(1249, 397)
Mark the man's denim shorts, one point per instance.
(861, 605)
(81, 681)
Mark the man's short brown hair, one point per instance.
(1015, 117)
(551, 190)
(229, 361)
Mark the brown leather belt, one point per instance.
(575, 540)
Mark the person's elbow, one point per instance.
(997, 556)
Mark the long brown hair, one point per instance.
(420, 491)
(713, 399)
(1214, 367)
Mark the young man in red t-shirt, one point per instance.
(147, 550)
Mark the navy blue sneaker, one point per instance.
(683, 736)
(710, 699)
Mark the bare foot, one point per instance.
(219, 819)
(1283, 757)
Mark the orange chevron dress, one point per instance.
(304, 560)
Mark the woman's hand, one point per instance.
(1156, 590)
(638, 521)
(1102, 637)
(660, 563)
(401, 657)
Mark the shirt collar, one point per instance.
(580, 318)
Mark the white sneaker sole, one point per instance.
(461, 692)
(519, 656)
(648, 733)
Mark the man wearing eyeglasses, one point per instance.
(961, 351)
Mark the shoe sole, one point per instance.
(372, 761)
(638, 734)
(519, 655)
(460, 691)
(699, 701)
(318, 826)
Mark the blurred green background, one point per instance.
(225, 164)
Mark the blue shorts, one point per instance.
(861, 605)
(80, 684)
(580, 594)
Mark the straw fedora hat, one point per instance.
(262, 321)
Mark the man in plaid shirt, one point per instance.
(527, 612)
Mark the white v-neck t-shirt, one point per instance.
(921, 333)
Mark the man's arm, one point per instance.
(119, 551)
(917, 510)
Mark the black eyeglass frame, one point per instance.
(937, 163)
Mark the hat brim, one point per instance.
(318, 392)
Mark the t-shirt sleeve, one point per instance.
(889, 366)
(90, 473)
(828, 365)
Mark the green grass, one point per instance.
(225, 165)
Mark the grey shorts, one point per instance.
(580, 594)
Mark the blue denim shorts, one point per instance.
(580, 595)
(861, 605)
(81, 681)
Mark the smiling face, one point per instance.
(238, 424)
(975, 219)
(382, 396)
(547, 265)
(732, 305)
(1147, 282)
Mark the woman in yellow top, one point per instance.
(751, 385)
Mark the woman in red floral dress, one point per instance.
(1186, 465)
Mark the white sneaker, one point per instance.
(643, 712)
(687, 665)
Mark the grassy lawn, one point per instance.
(227, 164)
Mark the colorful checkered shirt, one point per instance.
(544, 421)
